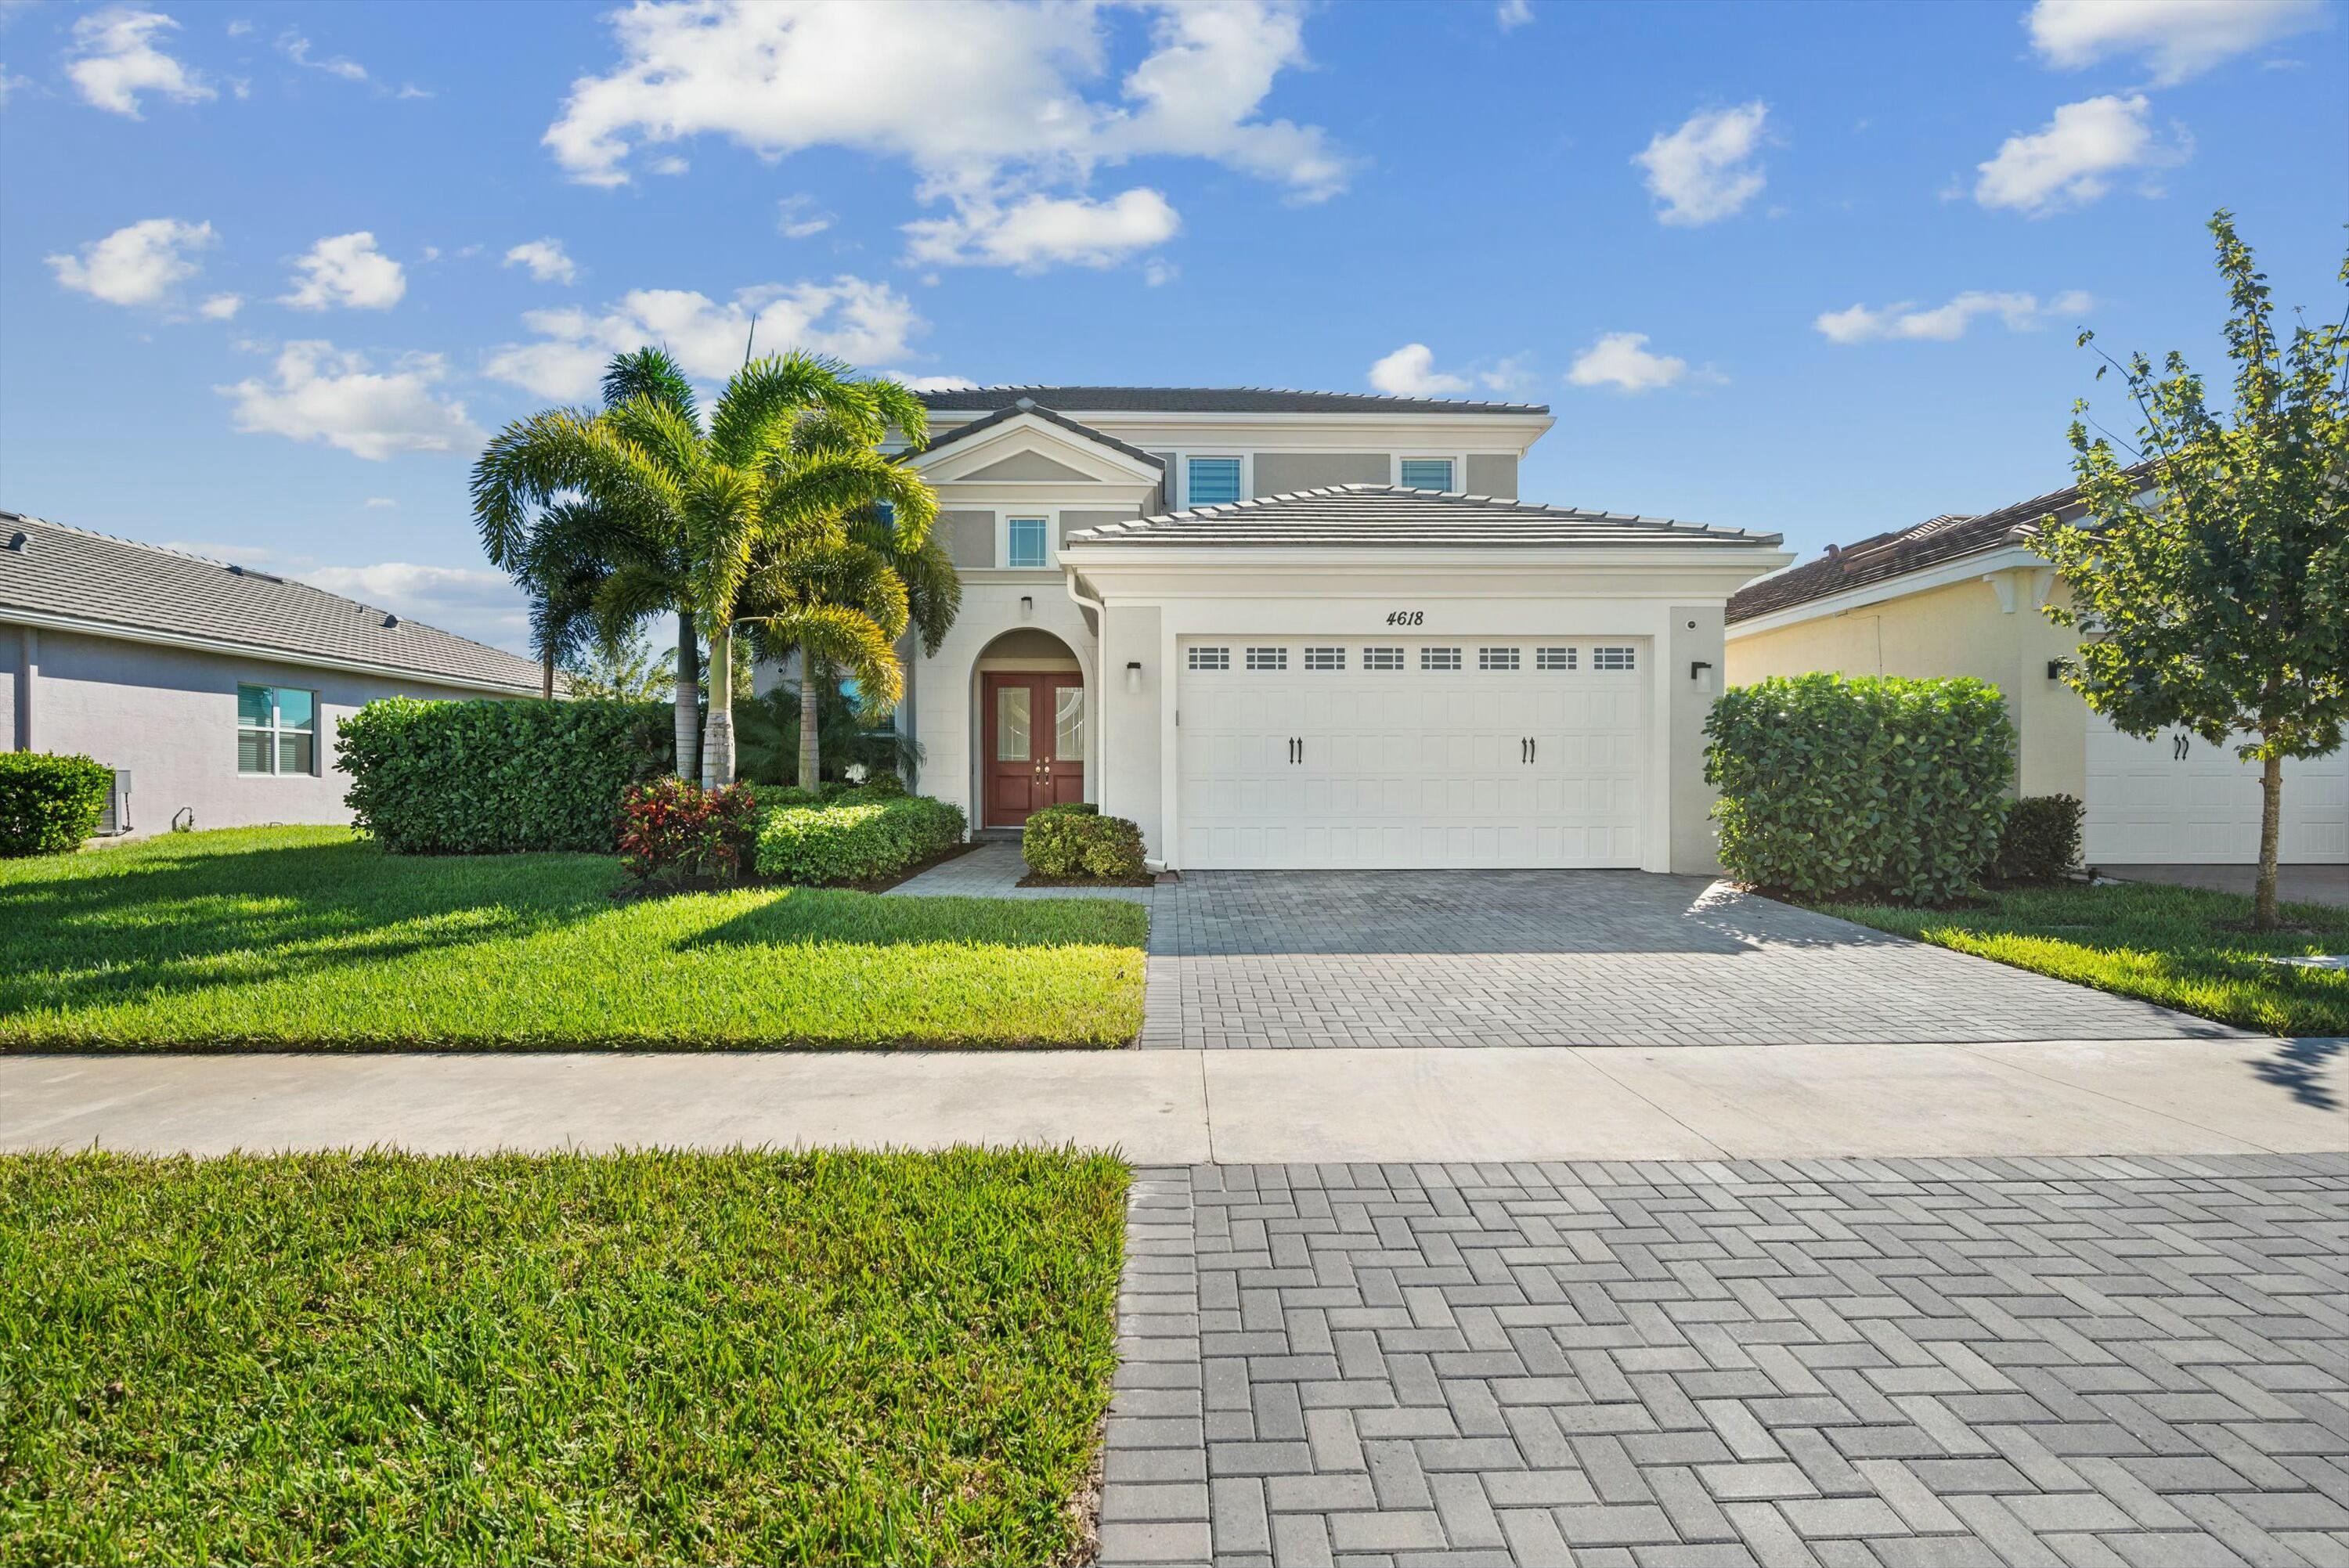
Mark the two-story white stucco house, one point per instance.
(1305, 629)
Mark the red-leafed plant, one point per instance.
(677, 833)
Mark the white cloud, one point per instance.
(935, 383)
(1620, 359)
(1410, 372)
(323, 395)
(346, 270)
(988, 103)
(1704, 170)
(1511, 373)
(115, 59)
(8, 84)
(1158, 272)
(545, 259)
(296, 48)
(797, 218)
(380, 503)
(1946, 322)
(861, 322)
(471, 601)
(2175, 39)
(2072, 159)
(1037, 232)
(220, 306)
(135, 265)
(1513, 15)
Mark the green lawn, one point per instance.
(311, 936)
(825, 1357)
(2165, 945)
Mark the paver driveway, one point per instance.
(1879, 1363)
(1574, 958)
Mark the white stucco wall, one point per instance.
(169, 716)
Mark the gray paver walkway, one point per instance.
(993, 871)
(1640, 1365)
(1256, 959)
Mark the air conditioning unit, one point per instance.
(115, 820)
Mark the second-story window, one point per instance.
(1211, 481)
(1025, 544)
(1425, 473)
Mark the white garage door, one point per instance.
(2177, 798)
(1313, 752)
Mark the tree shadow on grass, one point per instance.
(2298, 1067)
(802, 915)
(166, 920)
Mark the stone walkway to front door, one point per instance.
(1875, 1363)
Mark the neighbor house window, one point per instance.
(1439, 659)
(1553, 658)
(1497, 659)
(1026, 546)
(1611, 659)
(1268, 658)
(1325, 658)
(276, 730)
(1211, 658)
(1426, 473)
(1211, 481)
(1383, 658)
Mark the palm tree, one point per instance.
(685, 513)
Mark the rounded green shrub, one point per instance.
(2041, 840)
(1074, 843)
(498, 777)
(1871, 786)
(854, 841)
(49, 804)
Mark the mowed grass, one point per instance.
(313, 936)
(2166, 944)
(824, 1358)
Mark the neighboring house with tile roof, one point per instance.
(1313, 629)
(1961, 596)
(212, 689)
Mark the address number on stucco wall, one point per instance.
(1407, 618)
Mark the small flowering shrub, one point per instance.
(673, 831)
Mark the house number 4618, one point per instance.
(1407, 618)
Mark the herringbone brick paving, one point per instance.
(1247, 960)
(2008, 1362)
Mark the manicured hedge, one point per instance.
(2041, 840)
(1874, 785)
(49, 804)
(1074, 841)
(496, 778)
(854, 840)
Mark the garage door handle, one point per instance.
(1533, 750)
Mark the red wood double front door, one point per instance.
(1035, 743)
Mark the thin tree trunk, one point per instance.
(689, 699)
(811, 757)
(718, 744)
(2263, 911)
(546, 672)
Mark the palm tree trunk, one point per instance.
(810, 755)
(717, 746)
(546, 672)
(689, 699)
(2264, 907)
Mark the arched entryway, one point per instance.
(1031, 728)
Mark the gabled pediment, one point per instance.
(1033, 445)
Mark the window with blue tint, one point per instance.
(1426, 473)
(276, 730)
(1025, 545)
(1212, 482)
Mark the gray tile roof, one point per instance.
(97, 578)
(1211, 400)
(1373, 516)
(1900, 551)
(1029, 405)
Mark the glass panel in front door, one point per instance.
(1011, 724)
(1068, 724)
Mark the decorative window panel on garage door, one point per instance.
(1500, 763)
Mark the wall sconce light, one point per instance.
(1027, 607)
(1700, 672)
(1133, 677)
(2055, 668)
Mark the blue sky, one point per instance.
(270, 272)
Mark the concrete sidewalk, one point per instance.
(1697, 1102)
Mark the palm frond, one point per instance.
(767, 396)
(649, 373)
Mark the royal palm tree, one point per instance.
(791, 450)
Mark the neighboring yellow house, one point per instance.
(1962, 596)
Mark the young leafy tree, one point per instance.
(2219, 603)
